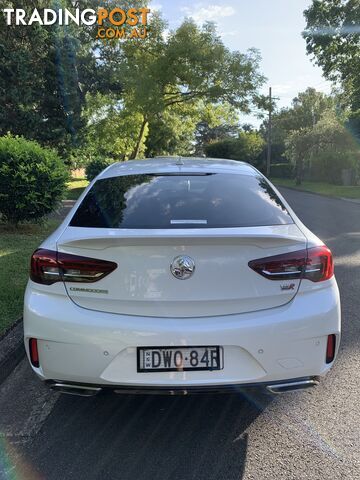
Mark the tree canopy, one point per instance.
(191, 65)
(39, 84)
(64, 88)
(324, 149)
(305, 111)
(333, 39)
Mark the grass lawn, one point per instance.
(320, 187)
(16, 247)
(75, 188)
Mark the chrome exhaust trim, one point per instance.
(80, 390)
(292, 386)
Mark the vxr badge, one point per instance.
(290, 286)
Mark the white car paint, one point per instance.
(268, 334)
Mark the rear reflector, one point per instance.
(34, 354)
(48, 267)
(315, 264)
(330, 348)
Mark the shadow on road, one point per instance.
(139, 437)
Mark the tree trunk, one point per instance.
(299, 171)
(136, 151)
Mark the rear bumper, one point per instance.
(83, 346)
(88, 390)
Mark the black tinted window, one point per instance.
(181, 201)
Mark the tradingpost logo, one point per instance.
(116, 23)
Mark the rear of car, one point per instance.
(181, 275)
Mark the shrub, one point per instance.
(96, 166)
(247, 147)
(323, 151)
(220, 149)
(32, 180)
(328, 165)
(282, 170)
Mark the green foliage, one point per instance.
(96, 166)
(328, 165)
(282, 170)
(218, 122)
(46, 73)
(112, 130)
(352, 124)
(323, 150)
(306, 110)
(39, 84)
(32, 180)
(247, 148)
(172, 132)
(75, 188)
(299, 145)
(190, 65)
(91, 98)
(333, 39)
(182, 128)
(76, 92)
(220, 149)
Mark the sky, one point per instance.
(272, 26)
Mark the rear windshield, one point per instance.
(213, 200)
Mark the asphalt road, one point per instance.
(312, 434)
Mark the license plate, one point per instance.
(179, 359)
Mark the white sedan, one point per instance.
(177, 275)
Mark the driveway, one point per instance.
(313, 434)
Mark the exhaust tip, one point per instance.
(292, 386)
(79, 390)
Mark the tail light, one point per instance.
(48, 267)
(315, 264)
(330, 348)
(34, 354)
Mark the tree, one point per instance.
(352, 124)
(66, 89)
(325, 149)
(333, 39)
(185, 128)
(39, 83)
(111, 131)
(247, 147)
(218, 122)
(192, 64)
(48, 72)
(298, 149)
(172, 132)
(306, 110)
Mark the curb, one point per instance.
(351, 200)
(344, 199)
(12, 349)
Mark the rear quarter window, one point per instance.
(212, 200)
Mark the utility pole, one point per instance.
(268, 157)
